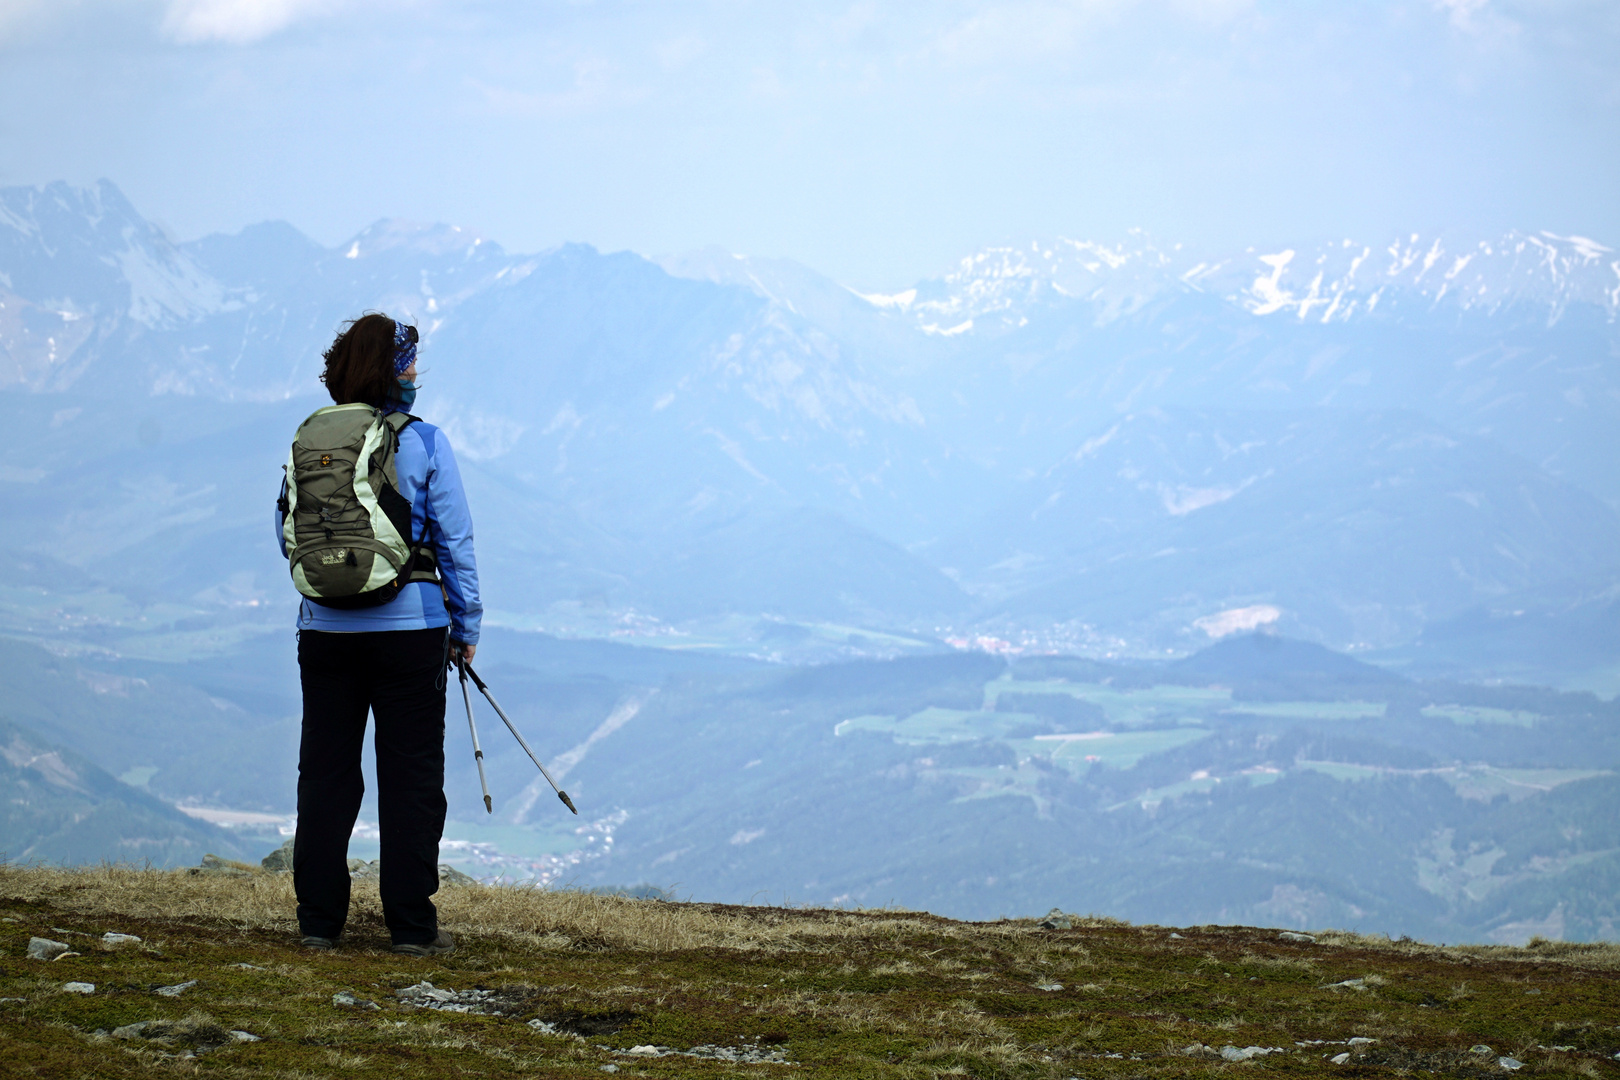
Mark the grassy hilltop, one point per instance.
(555, 984)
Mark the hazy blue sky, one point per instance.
(873, 141)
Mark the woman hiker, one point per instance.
(369, 647)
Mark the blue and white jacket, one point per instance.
(431, 483)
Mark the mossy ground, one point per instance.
(841, 994)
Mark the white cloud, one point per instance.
(237, 21)
(1021, 29)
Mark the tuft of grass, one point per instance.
(840, 993)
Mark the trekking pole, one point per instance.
(478, 751)
(482, 689)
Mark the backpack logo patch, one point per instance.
(332, 558)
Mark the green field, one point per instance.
(1125, 707)
(1479, 714)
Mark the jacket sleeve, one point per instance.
(453, 541)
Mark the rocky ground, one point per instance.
(119, 972)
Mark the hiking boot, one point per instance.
(443, 943)
(315, 941)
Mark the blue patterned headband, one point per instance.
(405, 339)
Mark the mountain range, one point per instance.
(1069, 445)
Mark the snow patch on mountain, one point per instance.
(1001, 287)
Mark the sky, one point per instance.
(875, 142)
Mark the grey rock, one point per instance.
(1232, 1053)
(349, 1001)
(424, 995)
(136, 1030)
(751, 1055)
(449, 875)
(1481, 1049)
(1510, 1064)
(1176, 937)
(1050, 987)
(1200, 1050)
(177, 989)
(215, 866)
(1361, 1040)
(79, 988)
(45, 949)
(114, 938)
(359, 868)
(1055, 920)
(1294, 935)
(1340, 1059)
(244, 1036)
(279, 859)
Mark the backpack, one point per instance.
(346, 527)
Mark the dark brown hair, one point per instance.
(360, 363)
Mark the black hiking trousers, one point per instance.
(399, 677)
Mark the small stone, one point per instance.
(1049, 987)
(1361, 1040)
(543, 1027)
(177, 989)
(359, 868)
(1055, 920)
(248, 967)
(136, 1030)
(45, 949)
(1510, 1064)
(79, 988)
(1176, 937)
(1340, 1059)
(1481, 1049)
(348, 1000)
(449, 875)
(113, 938)
(610, 1068)
(646, 1050)
(244, 1036)
(1294, 935)
(279, 859)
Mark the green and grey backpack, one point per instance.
(346, 526)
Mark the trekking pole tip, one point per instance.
(489, 806)
(563, 795)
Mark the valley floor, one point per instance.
(556, 984)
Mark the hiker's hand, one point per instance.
(460, 653)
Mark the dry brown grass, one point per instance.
(531, 918)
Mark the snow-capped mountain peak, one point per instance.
(1326, 283)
